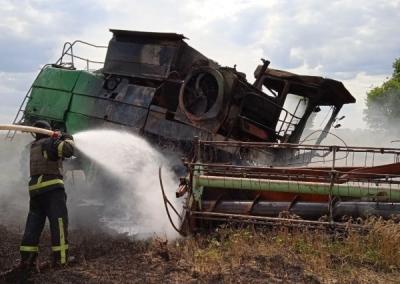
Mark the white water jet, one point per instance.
(133, 164)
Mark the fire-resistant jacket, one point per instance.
(46, 158)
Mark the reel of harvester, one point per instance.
(288, 184)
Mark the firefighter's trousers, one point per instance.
(50, 204)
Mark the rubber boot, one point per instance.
(56, 261)
(21, 272)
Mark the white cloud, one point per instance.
(14, 84)
(13, 89)
(21, 18)
(7, 114)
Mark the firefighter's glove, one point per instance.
(66, 136)
(56, 135)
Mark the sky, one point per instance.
(351, 41)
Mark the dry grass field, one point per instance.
(225, 255)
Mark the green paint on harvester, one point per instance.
(48, 103)
(57, 96)
(57, 78)
(340, 190)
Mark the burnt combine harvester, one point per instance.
(246, 163)
(157, 85)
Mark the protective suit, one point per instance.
(47, 196)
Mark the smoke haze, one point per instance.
(119, 193)
(14, 177)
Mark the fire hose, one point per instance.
(168, 203)
(24, 128)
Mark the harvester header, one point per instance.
(340, 183)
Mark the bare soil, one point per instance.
(223, 256)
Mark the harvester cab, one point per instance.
(297, 99)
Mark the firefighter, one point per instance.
(47, 198)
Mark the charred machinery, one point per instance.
(156, 85)
(245, 159)
(340, 184)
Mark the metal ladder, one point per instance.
(67, 51)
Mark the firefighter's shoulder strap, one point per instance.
(42, 158)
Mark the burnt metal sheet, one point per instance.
(151, 55)
(157, 124)
(373, 172)
(330, 91)
(109, 110)
(147, 35)
(141, 54)
(136, 95)
(139, 60)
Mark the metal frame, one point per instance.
(68, 50)
(368, 176)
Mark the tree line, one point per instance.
(383, 103)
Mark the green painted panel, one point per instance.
(76, 122)
(89, 84)
(340, 190)
(48, 103)
(113, 111)
(57, 78)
